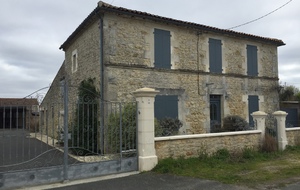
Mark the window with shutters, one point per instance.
(252, 68)
(253, 106)
(162, 49)
(166, 106)
(215, 56)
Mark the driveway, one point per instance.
(19, 151)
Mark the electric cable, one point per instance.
(259, 17)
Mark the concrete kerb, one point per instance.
(81, 181)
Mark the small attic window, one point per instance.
(74, 61)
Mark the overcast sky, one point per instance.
(31, 32)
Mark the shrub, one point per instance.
(221, 154)
(235, 123)
(158, 131)
(128, 122)
(269, 143)
(215, 127)
(84, 134)
(168, 127)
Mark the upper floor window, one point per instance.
(162, 49)
(74, 61)
(252, 68)
(215, 55)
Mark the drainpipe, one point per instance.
(101, 87)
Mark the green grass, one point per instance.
(246, 168)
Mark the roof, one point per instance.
(18, 102)
(105, 7)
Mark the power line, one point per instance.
(260, 17)
(112, 2)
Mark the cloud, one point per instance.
(32, 31)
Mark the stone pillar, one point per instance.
(281, 132)
(259, 117)
(145, 119)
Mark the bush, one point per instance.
(168, 127)
(158, 131)
(84, 134)
(221, 154)
(235, 123)
(269, 143)
(215, 127)
(128, 122)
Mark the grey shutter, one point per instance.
(166, 106)
(162, 49)
(252, 68)
(215, 55)
(253, 105)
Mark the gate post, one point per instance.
(145, 118)
(281, 132)
(259, 117)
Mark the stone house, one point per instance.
(202, 73)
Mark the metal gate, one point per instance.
(59, 140)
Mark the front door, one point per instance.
(215, 111)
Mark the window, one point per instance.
(252, 69)
(166, 106)
(215, 56)
(74, 61)
(162, 49)
(253, 106)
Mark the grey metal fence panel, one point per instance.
(32, 144)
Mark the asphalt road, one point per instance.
(153, 181)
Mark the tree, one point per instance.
(289, 93)
(85, 121)
(297, 96)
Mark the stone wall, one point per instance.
(192, 145)
(293, 136)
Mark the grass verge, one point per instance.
(247, 168)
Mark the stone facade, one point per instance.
(128, 64)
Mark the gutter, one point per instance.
(101, 103)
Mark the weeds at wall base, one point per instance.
(246, 167)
